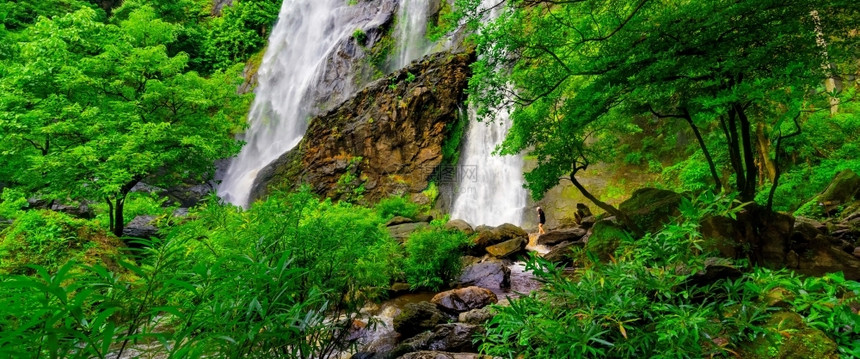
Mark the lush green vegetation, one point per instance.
(643, 300)
(585, 71)
(93, 104)
(755, 98)
(223, 280)
(433, 257)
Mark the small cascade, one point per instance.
(490, 187)
(410, 31)
(291, 79)
(494, 194)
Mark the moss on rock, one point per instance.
(605, 238)
(789, 337)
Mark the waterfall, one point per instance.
(302, 41)
(308, 34)
(490, 187)
(410, 31)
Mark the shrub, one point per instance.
(433, 257)
(50, 239)
(642, 304)
(285, 278)
(360, 36)
(390, 207)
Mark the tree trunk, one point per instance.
(605, 206)
(110, 214)
(749, 186)
(764, 143)
(119, 204)
(718, 185)
(731, 131)
(119, 223)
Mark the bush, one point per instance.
(285, 278)
(241, 31)
(433, 257)
(642, 304)
(390, 207)
(50, 239)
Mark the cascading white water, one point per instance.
(411, 30)
(495, 194)
(490, 189)
(306, 33)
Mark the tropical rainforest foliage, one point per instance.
(731, 102)
(751, 80)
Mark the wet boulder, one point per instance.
(418, 317)
(475, 316)
(401, 232)
(561, 235)
(141, 227)
(488, 236)
(651, 208)
(561, 252)
(508, 248)
(464, 299)
(454, 337)
(460, 225)
(486, 275)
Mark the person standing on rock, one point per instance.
(541, 220)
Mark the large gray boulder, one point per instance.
(141, 227)
(418, 317)
(460, 225)
(651, 208)
(486, 275)
(464, 299)
(562, 235)
(454, 337)
(508, 248)
(561, 252)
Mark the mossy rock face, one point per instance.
(788, 337)
(844, 187)
(842, 190)
(604, 239)
(396, 126)
(50, 239)
(651, 208)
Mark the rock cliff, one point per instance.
(386, 139)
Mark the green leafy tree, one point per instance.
(93, 109)
(577, 72)
(239, 32)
